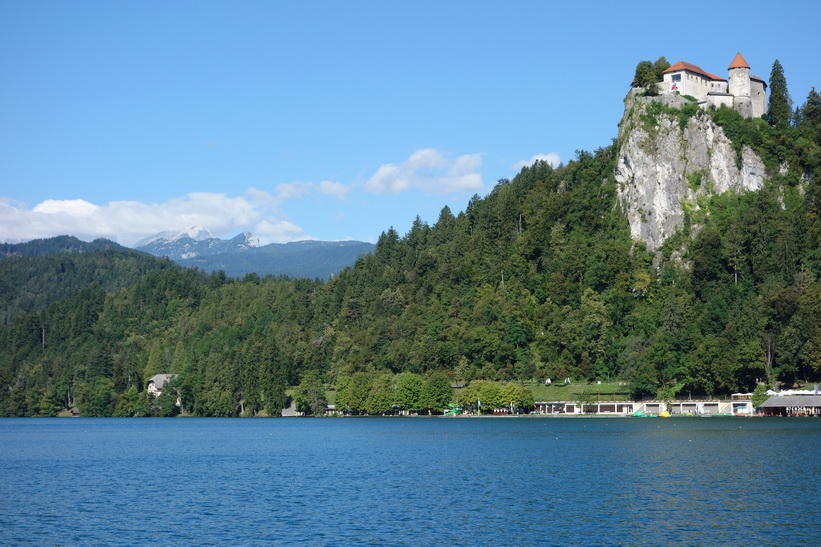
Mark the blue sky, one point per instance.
(328, 120)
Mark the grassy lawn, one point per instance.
(330, 394)
(559, 392)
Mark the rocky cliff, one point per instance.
(670, 155)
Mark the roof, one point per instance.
(681, 65)
(738, 62)
(792, 400)
(159, 380)
(759, 80)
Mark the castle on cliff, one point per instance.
(745, 93)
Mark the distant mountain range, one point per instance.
(241, 255)
(194, 242)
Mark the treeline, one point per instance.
(379, 393)
(538, 279)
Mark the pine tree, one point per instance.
(811, 111)
(272, 377)
(780, 109)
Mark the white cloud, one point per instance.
(278, 231)
(129, 221)
(260, 196)
(299, 189)
(293, 190)
(426, 158)
(551, 158)
(75, 207)
(336, 189)
(429, 171)
(126, 222)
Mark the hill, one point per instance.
(38, 273)
(546, 276)
(55, 245)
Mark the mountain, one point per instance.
(243, 254)
(194, 242)
(311, 259)
(197, 233)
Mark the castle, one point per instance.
(741, 91)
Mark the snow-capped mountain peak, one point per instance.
(193, 242)
(247, 238)
(197, 233)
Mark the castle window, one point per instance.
(676, 77)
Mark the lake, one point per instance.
(410, 481)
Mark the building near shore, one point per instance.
(157, 382)
(739, 405)
(807, 404)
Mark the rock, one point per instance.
(664, 168)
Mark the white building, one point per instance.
(741, 91)
(157, 382)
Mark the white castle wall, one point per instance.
(739, 82)
(691, 84)
(746, 94)
(758, 94)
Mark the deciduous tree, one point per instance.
(436, 392)
(309, 395)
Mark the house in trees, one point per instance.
(157, 382)
(740, 90)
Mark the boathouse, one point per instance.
(740, 404)
(792, 405)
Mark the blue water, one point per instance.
(410, 481)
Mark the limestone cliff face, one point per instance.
(663, 168)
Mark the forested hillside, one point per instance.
(37, 273)
(538, 279)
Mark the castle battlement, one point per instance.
(740, 90)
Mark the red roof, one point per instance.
(738, 62)
(681, 65)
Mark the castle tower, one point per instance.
(739, 85)
(739, 77)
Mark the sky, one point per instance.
(326, 119)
